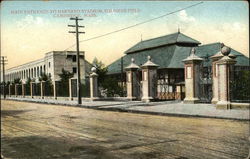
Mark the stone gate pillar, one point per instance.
(149, 80)
(215, 59)
(132, 85)
(224, 74)
(23, 90)
(192, 77)
(93, 84)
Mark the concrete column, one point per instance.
(192, 77)
(23, 89)
(10, 89)
(54, 89)
(31, 89)
(70, 89)
(16, 90)
(224, 75)
(149, 75)
(132, 85)
(93, 84)
(42, 89)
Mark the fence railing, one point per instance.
(239, 86)
(46, 89)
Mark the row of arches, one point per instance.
(24, 74)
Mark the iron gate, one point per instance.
(165, 86)
(205, 93)
(139, 84)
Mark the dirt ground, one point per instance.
(33, 131)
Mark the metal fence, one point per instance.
(62, 89)
(85, 88)
(239, 86)
(19, 89)
(36, 89)
(48, 89)
(27, 89)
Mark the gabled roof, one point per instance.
(171, 56)
(175, 38)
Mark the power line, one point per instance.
(190, 6)
(77, 32)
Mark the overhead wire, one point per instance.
(131, 26)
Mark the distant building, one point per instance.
(168, 52)
(52, 65)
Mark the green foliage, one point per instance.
(112, 87)
(63, 88)
(65, 76)
(27, 85)
(45, 77)
(28, 81)
(109, 84)
(8, 83)
(17, 81)
(101, 70)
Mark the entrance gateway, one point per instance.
(205, 82)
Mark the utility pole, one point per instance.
(77, 57)
(3, 62)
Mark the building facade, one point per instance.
(51, 65)
(168, 52)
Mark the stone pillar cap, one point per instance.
(93, 70)
(217, 55)
(149, 63)
(226, 59)
(232, 56)
(132, 65)
(192, 56)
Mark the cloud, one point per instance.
(185, 17)
(30, 20)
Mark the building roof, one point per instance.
(175, 38)
(171, 56)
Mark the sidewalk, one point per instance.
(171, 108)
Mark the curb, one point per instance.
(130, 111)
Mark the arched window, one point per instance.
(37, 69)
(34, 71)
(41, 70)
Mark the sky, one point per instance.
(29, 29)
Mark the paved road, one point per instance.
(31, 130)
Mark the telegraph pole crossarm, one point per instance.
(77, 57)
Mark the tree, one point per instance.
(45, 77)
(112, 86)
(63, 89)
(101, 70)
(109, 84)
(27, 85)
(65, 76)
(17, 81)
